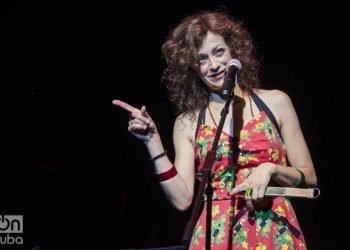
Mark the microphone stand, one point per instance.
(206, 179)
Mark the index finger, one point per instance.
(124, 105)
(239, 188)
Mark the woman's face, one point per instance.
(213, 57)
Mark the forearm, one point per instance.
(177, 192)
(291, 177)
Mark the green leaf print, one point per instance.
(283, 240)
(226, 176)
(245, 135)
(286, 202)
(198, 232)
(218, 229)
(264, 222)
(266, 127)
(203, 144)
(240, 236)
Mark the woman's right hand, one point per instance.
(140, 123)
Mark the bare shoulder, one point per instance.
(274, 99)
(185, 125)
(185, 121)
(279, 103)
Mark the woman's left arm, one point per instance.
(299, 158)
(297, 151)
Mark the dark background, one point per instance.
(70, 167)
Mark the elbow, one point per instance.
(183, 205)
(312, 181)
(182, 208)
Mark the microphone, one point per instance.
(229, 82)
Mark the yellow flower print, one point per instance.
(284, 161)
(286, 203)
(208, 131)
(245, 234)
(242, 160)
(221, 170)
(223, 137)
(251, 158)
(200, 139)
(215, 210)
(289, 238)
(270, 151)
(275, 155)
(284, 247)
(259, 126)
(221, 186)
(243, 133)
(219, 237)
(244, 244)
(260, 246)
(280, 211)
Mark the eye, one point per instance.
(202, 59)
(219, 51)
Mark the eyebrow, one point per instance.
(212, 51)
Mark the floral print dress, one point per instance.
(273, 225)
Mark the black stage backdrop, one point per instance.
(68, 164)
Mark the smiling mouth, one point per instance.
(215, 75)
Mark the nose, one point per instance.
(214, 64)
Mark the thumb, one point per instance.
(144, 112)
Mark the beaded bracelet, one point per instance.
(158, 156)
(167, 175)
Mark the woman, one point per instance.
(252, 151)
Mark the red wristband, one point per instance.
(167, 175)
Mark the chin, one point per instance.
(217, 84)
(215, 90)
(213, 86)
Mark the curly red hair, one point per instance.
(186, 90)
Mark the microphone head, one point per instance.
(234, 62)
(232, 67)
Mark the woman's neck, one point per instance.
(215, 97)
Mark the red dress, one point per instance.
(273, 225)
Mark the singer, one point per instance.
(261, 144)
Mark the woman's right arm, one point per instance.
(179, 189)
